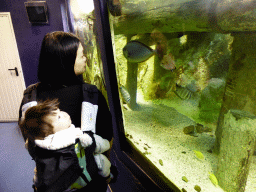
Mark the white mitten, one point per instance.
(103, 164)
(102, 145)
(85, 140)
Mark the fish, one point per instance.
(168, 62)
(137, 52)
(125, 94)
(183, 92)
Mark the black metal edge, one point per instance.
(120, 142)
(70, 17)
(105, 44)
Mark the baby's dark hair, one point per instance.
(34, 126)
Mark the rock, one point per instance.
(197, 188)
(184, 179)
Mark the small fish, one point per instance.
(125, 94)
(213, 179)
(168, 62)
(137, 52)
(183, 92)
(199, 155)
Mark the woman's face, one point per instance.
(80, 63)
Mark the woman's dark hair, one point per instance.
(57, 59)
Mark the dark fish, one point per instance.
(183, 92)
(137, 52)
(125, 94)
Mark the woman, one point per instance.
(61, 65)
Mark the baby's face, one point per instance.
(60, 120)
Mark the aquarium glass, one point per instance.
(85, 29)
(181, 73)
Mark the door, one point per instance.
(12, 82)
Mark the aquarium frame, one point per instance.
(145, 171)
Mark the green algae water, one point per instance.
(174, 101)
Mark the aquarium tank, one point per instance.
(185, 72)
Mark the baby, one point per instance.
(47, 127)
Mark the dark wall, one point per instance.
(29, 37)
